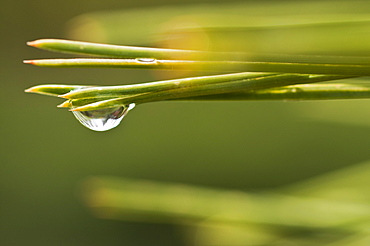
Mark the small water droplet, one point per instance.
(146, 60)
(294, 90)
(102, 119)
(312, 76)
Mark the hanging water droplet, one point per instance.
(102, 119)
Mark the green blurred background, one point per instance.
(46, 154)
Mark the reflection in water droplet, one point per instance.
(102, 119)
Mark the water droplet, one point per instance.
(146, 60)
(312, 76)
(102, 119)
(294, 90)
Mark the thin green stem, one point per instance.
(107, 50)
(120, 51)
(322, 91)
(54, 90)
(272, 67)
(208, 89)
(327, 91)
(125, 90)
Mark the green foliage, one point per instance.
(300, 61)
(94, 98)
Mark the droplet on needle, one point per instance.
(103, 119)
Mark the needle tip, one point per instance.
(36, 43)
(29, 62)
(34, 89)
(65, 96)
(32, 43)
(28, 90)
(65, 104)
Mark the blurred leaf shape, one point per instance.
(304, 27)
(327, 210)
(344, 185)
(338, 112)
